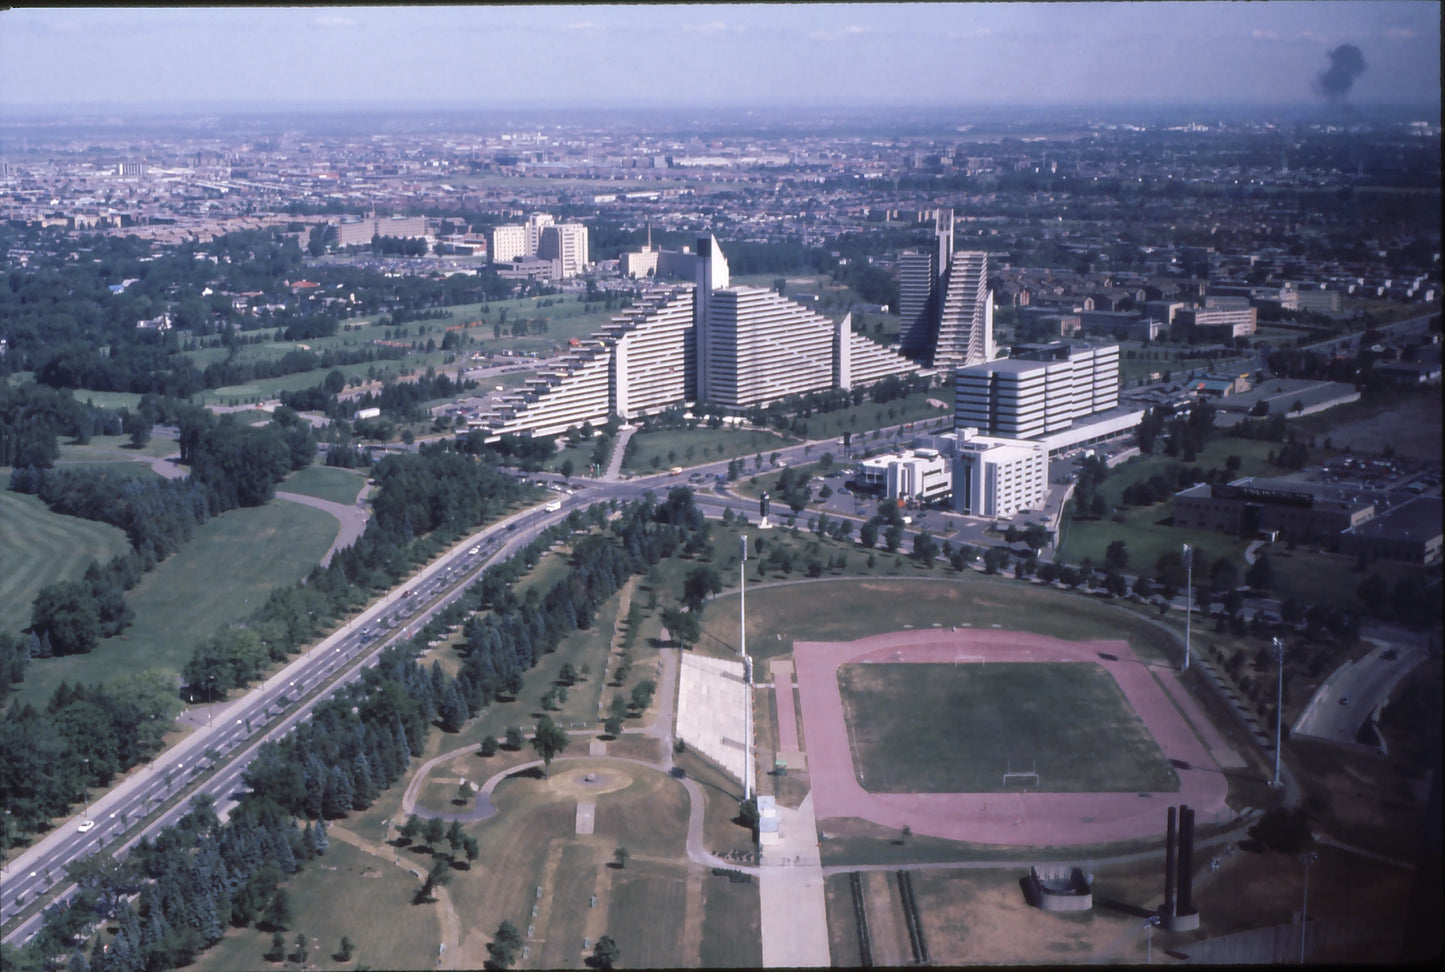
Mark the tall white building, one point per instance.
(565, 244)
(1025, 398)
(999, 477)
(541, 236)
(508, 243)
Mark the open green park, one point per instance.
(1146, 530)
(650, 451)
(39, 547)
(325, 482)
(957, 728)
(225, 572)
(845, 608)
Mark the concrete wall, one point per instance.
(710, 710)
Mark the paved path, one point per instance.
(352, 517)
(619, 447)
(1001, 818)
(794, 927)
(787, 714)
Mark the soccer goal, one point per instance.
(1021, 775)
(968, 660)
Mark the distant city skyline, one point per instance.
(747, 55)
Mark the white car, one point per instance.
(86, 826)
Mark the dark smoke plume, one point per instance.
(1346, 64)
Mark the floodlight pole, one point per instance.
(1278, 704)
(747, 674)
(1188, 600)
(1306, 859)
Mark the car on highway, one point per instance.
(86, 826)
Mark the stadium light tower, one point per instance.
(1278, 705)
(1188, 600)
(747, 672)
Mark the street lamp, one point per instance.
(1307, 858)
(1149, 924)
(1278, 705)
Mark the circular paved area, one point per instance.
(1009, 818)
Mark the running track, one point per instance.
(1022, 819)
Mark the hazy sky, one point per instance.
(1266, 51)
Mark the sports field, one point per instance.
(957, 728)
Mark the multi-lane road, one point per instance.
(213, 758)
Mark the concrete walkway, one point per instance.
(614, 462)
(787, 713)
(794, 907)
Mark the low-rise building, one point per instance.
(1294, 509)
(1409, 533)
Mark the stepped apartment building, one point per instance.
(684, 344)
(945, 307)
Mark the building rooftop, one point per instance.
(1417, 519)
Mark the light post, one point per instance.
(1149, 924)
(1278, 705)
(1188, 600)
(747, 679)
(210, 700)
(85, 786)
(1307, 858)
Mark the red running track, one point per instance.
(1013, 818)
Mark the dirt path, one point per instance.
(451, 926)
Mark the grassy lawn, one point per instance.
(1407, 421)
(325, 482)
(531, 843)
(1145, 529)
(116, 448)
(952, 729)
(224, 573)
(1145, 538)
(347, 892)
(724, 796)
(844, 609)
(732, 925)
(38, 547)
(651, 451)
(107, 399)
(859, 419)
(645, 901)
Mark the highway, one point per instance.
(214, 757)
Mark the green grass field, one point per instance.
(38, 547)
(115, 448)
(347, 892)
(844, 609)
(1142, 528)
(956, 729)
(325, 482)
(106, 399)
(224, 573)
(652, 451)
